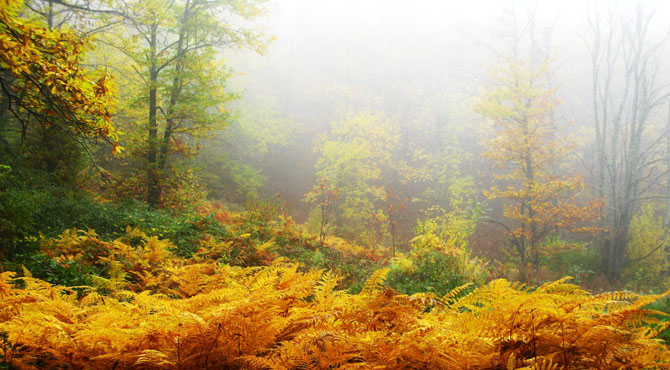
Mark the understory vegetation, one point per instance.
(180, 188)
(250, 289)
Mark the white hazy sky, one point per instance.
(422, 38)
(425, 13)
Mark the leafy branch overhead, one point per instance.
(44, 81)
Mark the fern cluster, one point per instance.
(211, 315)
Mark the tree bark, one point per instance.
(153, 179)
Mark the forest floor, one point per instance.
(221, 289)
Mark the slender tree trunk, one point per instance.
(523, 265)
(50, 145)
(177, 84)
(50, 15)
(627, 175)
(393, 237)
(322, 230)
(666, 218)
(153, 179)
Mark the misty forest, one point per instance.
(322, 184)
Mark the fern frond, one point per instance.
(375, 282)
(450, 297)
(326, 286)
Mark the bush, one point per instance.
(432, 272)
(662, 305)
(45, 268)
(646, 252)
(576, 260)
(434, 266)
(21, 214)
(26, 212)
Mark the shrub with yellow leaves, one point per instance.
(435, 264)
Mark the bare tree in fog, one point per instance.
(626, 91)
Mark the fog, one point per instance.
(329, 57)
(344, 183)
(446, 141)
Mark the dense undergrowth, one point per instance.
(212, 315)
(212, 288)
(112, 258)
(33, 217)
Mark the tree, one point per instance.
(325, 197)
(394, 208)
(235, 164)
(172, 48)
(47, 91)
(527, 144)
(627, 89)
(355, 157)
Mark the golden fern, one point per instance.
(167, 312)
(375, 282)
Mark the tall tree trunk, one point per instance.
(666, 217)
(153, 179)
(177, 84)
(620, 118)
(49, 142)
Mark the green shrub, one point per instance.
(433, 272)
(569, 259)
(46, 268)
(435, 265)
(28, 212)
(662, 305)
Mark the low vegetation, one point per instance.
(154, 217)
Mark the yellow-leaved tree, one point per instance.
(53, 100)
(355, 157)
(529, 148)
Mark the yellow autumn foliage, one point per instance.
(213, 316)
(646, 253)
